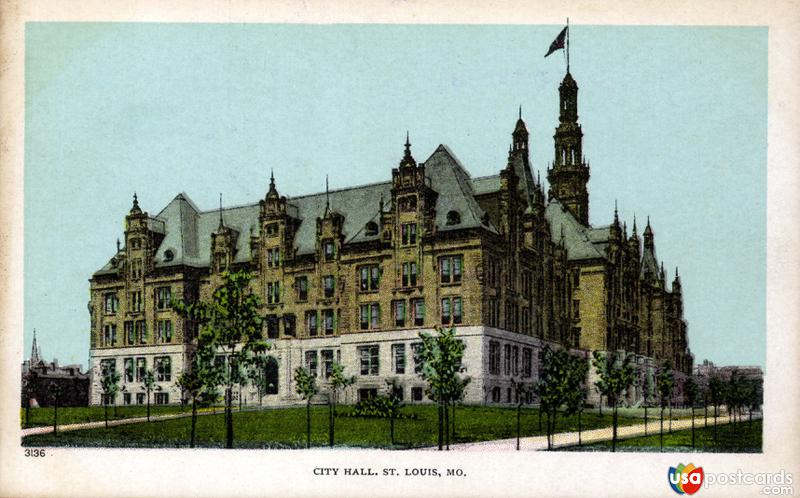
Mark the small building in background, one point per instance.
(42, 381)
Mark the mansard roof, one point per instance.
(187, 230)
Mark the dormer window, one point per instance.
(135, 244)
(328, 250)
(409, 234)
(371, 229)
(453, 218)
(408, 203)
(169, 255)
(272, 229)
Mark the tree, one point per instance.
(393, 404)
(690, 392)
(149, 385)
(306, 386)
(258, 376)
(232, 320)
(110, 386)
(716, 391)
(440, 357)
(200, 379)
(735, 395)
(55, 392)
(755, 398)
(617, 374)
(338, 381)
(649, 394)
(665, 386)
(521, 391)
(561, 382)
(578, 369)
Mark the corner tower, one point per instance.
(569, 174)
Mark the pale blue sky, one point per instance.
(675, 124)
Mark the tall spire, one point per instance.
(35, 358)
(272, 193)
(221, 224)
(408, 159)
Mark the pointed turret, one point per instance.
(272, 193)
(520, 135)
(649, 243)
(35, 356)
(408, 159)
(135, 209)
(676, 283)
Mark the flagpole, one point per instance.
(568, 44)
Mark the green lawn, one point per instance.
(744, 438)
(81, 414)
(286, 428)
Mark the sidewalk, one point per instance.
(561, 439)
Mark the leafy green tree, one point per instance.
(521, 392)
(110, 386)
(149, 385)
(736, 396)
(716, 392)
(257, 375)
(306, 386)
(394, 404)
(440, 356)
(576, 390)
(690, 393)
(338, 381)
(562, 378)
(665, 385)
(616, 374)
(232, 320)
(200, 379)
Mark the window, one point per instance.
(329, 284)
(141, 331)
(110, 303)
(399, 312)
(327, 362)
(508, 395)
(397, 392)
(576, 279)
(371, 229)
(409, 234)
(273, 292)
(272, 326)
(418, 310)
(128, 369)
(370, 316)
(526, 362)
(135, 243)
(368, 393)
(328, 250)
(272, 229)
(328, 321)
(515, 360)
(301, 284)
(135, 299)
(450, 269)
(416, 394)
(409, 274)
(408, 203)
(136, 268)
(139, 398)
(164, 330)
(109, 334)
(162, 398)
(576, 309)
(129, 336)
(163, 368)
(108, 366)
(494, 357)
(311, 362)
(141, 369)
(369, 359)
(126, 398)
(369, 278)
(452, 310)
(273, 258)
(416, 349)
(526, 284)
(163, 298)
(507, 359)
(399, 358)
(496, 394)
(453, 218)
(289, 325)
(311, 323)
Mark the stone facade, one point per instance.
(355, 275)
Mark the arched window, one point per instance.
(453, 218)
(371, 228)
(169, 255)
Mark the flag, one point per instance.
(558, 43)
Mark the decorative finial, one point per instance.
(634, 223)
(271, 178)
(117, 244)
(408, 141)
(520, 111)
(676, 272)
(221, 224)
(327, 197)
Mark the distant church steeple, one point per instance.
(35, 356)
(570, 174)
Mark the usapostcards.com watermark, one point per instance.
(771, 483)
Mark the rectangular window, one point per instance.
(109, 335)
(163, 368)
(272, 326)
(273, 292)
(409, 274)
(129, 333)
(576, 279)
(164, 331)
(162, 398)
(416, 394)
(289, 325)
(141, 331)
(370, 316)
(452, 310)
(418, 309)
(329, 285)
(301, 284)
(527, 367)
(311, 362)
(409, 234)
(327, 362)
(110, 303)
(446, 312)
(369, 278)
(457, 310)
(450, 269)
(141, 369)
(399, 313)
(135, 299)
(126, 398)
(128, 362)
(328, 250)
(369, 359)
(494, 357)
(416, 349)
(272, 229)
(515, 360)
(136, 268)
(108, 366)
(399, 358)
(273, 258)
(328, 321)
(507, 359)
(164, 298)
(311, 323)
(576, 308)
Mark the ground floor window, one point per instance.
(139, 398)
(367, 394)
(126, 398)
(416, 394)
(162, 398)
(496, 394)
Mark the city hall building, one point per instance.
(354, 275)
